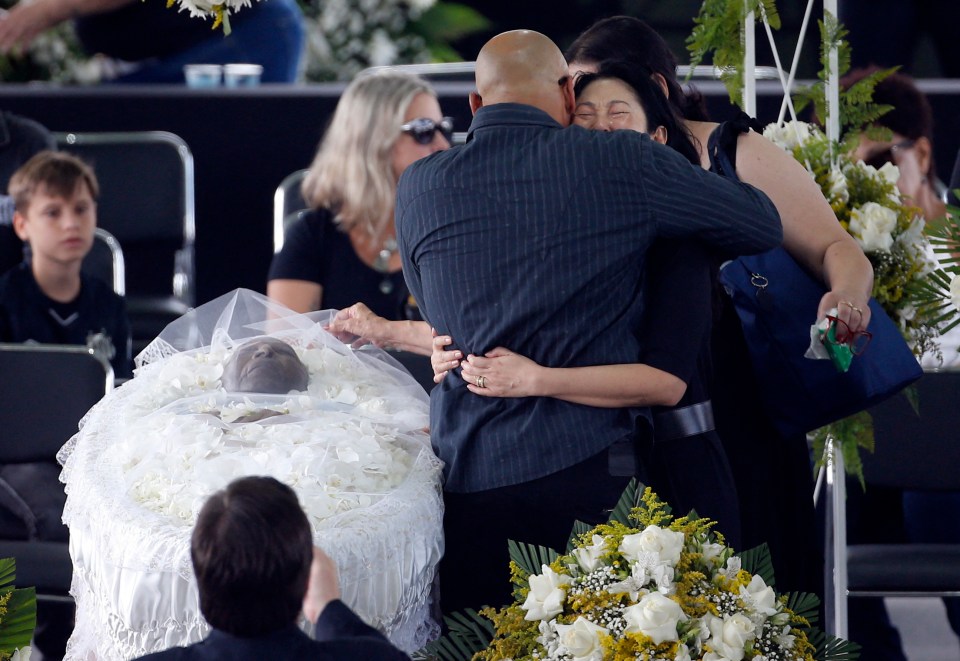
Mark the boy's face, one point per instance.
(60, 230)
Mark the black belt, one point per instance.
(680, 423)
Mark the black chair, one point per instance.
(147, 203)
(45, 390)
(914, 453)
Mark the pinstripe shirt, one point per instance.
(532, 236)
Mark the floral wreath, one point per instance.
(644, 585)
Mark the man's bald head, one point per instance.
(522, 66)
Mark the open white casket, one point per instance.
(353, 447)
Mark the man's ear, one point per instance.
(569, 98)
(20, 226)
(476, 102)
(924, 151)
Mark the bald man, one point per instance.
(533, 236)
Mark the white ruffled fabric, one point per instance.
(146, 458)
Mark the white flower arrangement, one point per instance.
(218, 10)
(868, 205)
(646, 586)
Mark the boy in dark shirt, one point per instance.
(49, 300)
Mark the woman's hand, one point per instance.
(441, 360)
(502, 373)
(358, 325)
(853, 309)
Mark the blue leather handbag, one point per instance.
(775, 299)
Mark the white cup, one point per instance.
(242, 75)
(202, 76)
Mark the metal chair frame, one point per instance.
(917, 453)
(40, 400)
(183, 285)
(288, 204)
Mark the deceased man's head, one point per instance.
(264, 365)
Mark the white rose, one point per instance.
(655, 616)
(22, 654)
(838, 185)
(589, 556)
(759, 596)
(890, 173)
(955, 291)
(789, 135)
(872, 226)
(683, 653)
(667, 544)
(711, 551)
(730, 635)
(581, 639)
(546, 596)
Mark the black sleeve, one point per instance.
(678, 311)
(338, 622)
(301, 257)
(688, 202)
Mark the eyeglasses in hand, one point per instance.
(857, 341)
(423, 129)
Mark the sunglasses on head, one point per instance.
(423, 129)
(881, 158)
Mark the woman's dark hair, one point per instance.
(659, 111)
(633, 41)
(251, 552)
(911, 115)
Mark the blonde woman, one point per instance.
(344, 249)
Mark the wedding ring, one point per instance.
(481, 382)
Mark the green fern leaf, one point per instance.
(530, 557)
(468, 633)
(805, 604)
(758, 562)
(629, 499)
(579, 529)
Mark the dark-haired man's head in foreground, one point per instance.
(251, 550)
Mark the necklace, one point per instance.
(382, 263)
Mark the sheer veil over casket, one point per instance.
(352, 445)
